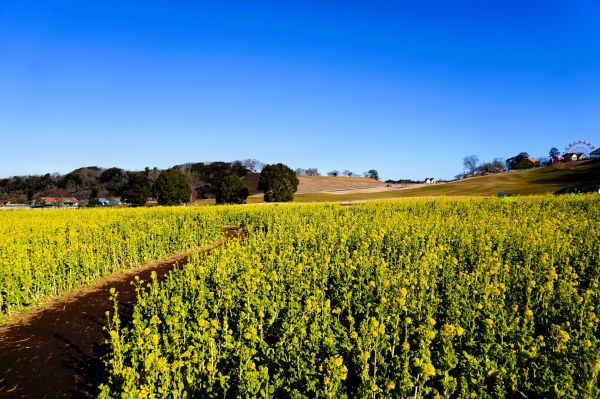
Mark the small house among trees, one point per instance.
(595, 154)
(429, 180)
(521, 161)
(55, 202)
(151, 201)
(575, 156)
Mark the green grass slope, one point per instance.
(533, 181)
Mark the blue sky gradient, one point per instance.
(407, 88)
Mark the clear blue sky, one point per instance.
(408, 88)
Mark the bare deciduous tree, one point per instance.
(498, 164)
(470, 163)
(253, 165)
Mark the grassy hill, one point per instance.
(319, 184)
(533, 181)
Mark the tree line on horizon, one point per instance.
(473, 167)
(202, 181)
(183, 183)
(371, 174)
(177, 185)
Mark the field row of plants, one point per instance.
(410, 299)
(47, 252)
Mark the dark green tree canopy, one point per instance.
(232, 190)
(554, 152)
(172, 188)
(114, 180)
(137, 189)
(519, 161)
(71, 180)
(136, 186)
(278, 182)
(92, 202)
(373, 174)
(211, 175)
(111, 174)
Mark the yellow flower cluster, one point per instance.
(44, 253)
(416, 298)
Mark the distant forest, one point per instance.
(93, 182)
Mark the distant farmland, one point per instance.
(533, 181)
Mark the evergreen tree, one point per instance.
(232, 190)
(278, 182)
(172, 188)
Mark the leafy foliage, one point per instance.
(111, 174)
(373, 174)
(278, 182)
(71, 180)
(138, 188)
(172, 188)
(415, 298)
(92, 181)
(43, 254)
(519, 161)
(211, 175)
(232, 190)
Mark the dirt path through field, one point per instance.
(55, 351)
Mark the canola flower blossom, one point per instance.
(394, 299)
(44, 253)
(417, 298)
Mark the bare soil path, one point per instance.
(55, 351)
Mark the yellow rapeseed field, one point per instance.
(462, 298)
(47, 252)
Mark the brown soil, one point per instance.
(56, 350)
(318, 184)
